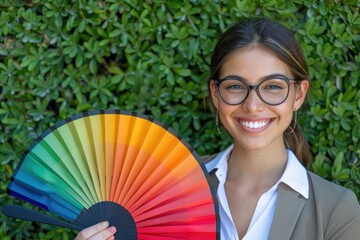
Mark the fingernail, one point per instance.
(112, 229)
(105, 224)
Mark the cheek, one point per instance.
(285, 111)
(289, 117)
(225, 114)
(290, 104)
(287, 114)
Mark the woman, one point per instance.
(259, 80)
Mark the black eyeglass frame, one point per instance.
(256, 87)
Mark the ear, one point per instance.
(301, 91)
(214, 93)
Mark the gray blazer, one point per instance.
(331, 212)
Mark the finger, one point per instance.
(91, 231)
(104, 234)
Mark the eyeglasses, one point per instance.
(274, 90)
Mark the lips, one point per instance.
(254, 124)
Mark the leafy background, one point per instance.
(62, 57)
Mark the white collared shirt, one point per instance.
(294, 176)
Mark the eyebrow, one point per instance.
(267, 77)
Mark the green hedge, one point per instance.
(62, 57)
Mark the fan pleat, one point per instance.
(111, 127)
(140, 129)
(148, 177)
(69, 135)
(144, 164)
(121, 166)
(54, 183)
(95, 130)
(177, 198)
(82, 127)
(43, 196)
(186, 186)
(77, 182)
(187, 214)
(43, 160)
(170, 198)
(169, 171)
(177, 232)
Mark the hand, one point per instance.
(98, 231)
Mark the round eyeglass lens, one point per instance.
(233, 91)
(273, 91)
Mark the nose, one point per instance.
(253, 102)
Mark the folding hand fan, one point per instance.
(117, 166)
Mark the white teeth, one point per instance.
(254, 125)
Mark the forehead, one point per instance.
(252, 64)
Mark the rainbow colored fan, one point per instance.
(118, 166)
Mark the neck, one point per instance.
(256, 167)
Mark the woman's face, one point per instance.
(253, 124)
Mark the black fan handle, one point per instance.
(31, 215)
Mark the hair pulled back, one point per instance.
(279, 41)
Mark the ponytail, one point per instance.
(296, 142)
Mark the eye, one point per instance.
(274, 84)
(233, 85)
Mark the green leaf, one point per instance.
(114, 69)
(115, 33)
(338, 161)
(182, 72)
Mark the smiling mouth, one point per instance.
(254, 124)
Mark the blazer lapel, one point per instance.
(288, 208)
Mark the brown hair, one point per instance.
(280, 41)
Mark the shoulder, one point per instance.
(207, 158)
(338, 206)
(327, 188)
(331, 194)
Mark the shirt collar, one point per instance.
(220, 160)
(295, 175)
